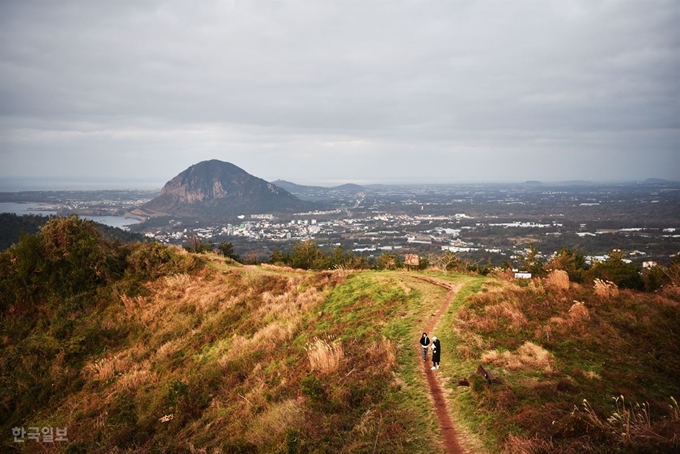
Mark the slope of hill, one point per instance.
(213, 189)
(225, 357)
(587, 369)
(11, 226)
(141, 349)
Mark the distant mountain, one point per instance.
(215, 188)
(294, 188)
(302, 189)
(657, 181)
(349, 187)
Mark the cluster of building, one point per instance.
(370, 233)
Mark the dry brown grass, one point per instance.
(132, 305)
(167, 349)
(272, 334)
(136, 378)
(341, 272)
(267, 339)
(592, 375)
(384, 355)
(575, 320)
(271, 424)
(325, 356)
(605, 289)
(671, 292)
(578, 313)
(282, 269)
(283, 316)
(517, 444)
(505, 314)
(558, 280)
(528, 356)
(178, 281)
(103, 369)
(631, 424)
(118, 365)
(289, 303)
(536, 286)
(508, 311)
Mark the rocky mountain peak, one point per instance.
(214, 188)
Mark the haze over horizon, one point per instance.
(92, 184)
(129, 94)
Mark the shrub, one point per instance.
(148, 261)
(571, 261)
(311, 387)
(619, 271)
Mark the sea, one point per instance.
(46, 210)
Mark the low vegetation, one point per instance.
(139, 348)
(148, 348)
(579, 368)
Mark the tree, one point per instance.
(280, 258)
(444, 261)
(621, 272)
(227, 250)
(339, 258)
(532, 261)
(197, 246)
(655, 278)
(308, 256)
(571, 261)
(389, 261)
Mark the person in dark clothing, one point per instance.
(424, 343)
(436, 352)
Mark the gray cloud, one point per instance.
(342, 91)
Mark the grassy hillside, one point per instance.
(207, 359)
(144, 348)
(580, 368)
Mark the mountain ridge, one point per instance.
(295, 188)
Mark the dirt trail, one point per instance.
(449, 436)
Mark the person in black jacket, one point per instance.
(436, 352)
(424, 343)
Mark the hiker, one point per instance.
(436, 352)
(424, 343)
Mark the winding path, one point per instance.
(449, 436)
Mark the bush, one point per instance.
(67, 260)
(148, 261)
(307, 255)
(311, 387)
(618, 271)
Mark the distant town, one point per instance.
(493, 223)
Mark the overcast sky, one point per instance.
(329, 92)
